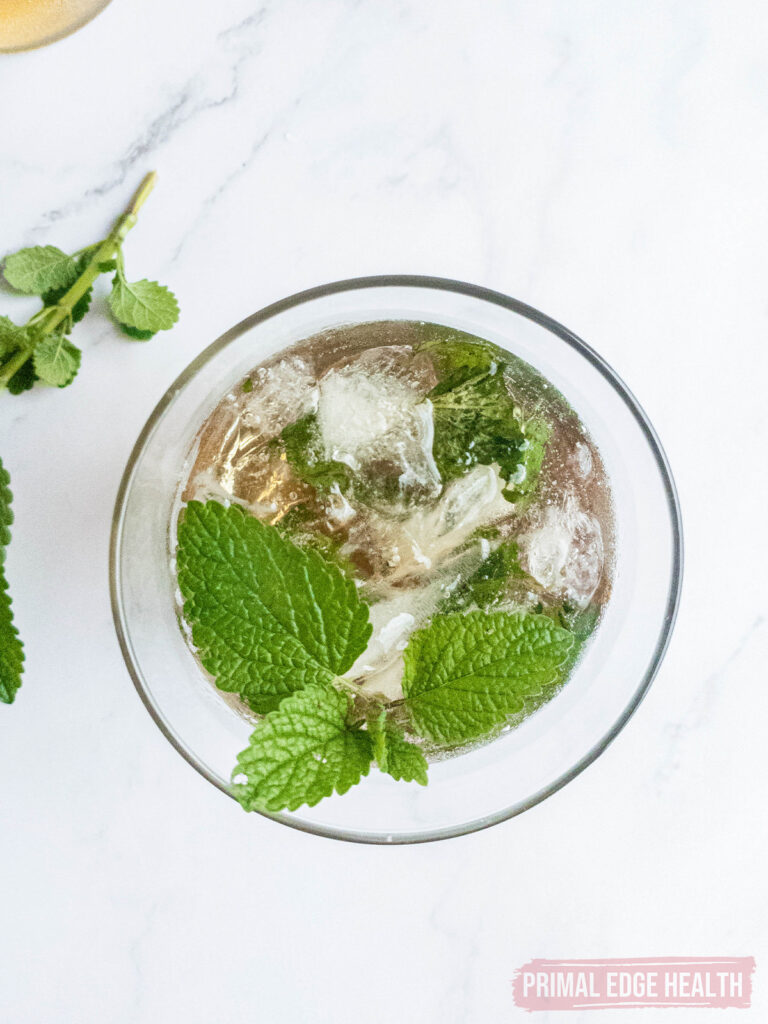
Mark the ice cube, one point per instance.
(281, 394)
(564, 551)
(373, 415)
(433, 538)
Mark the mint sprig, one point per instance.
(279, 624)
(11, 648)
(41, 349)
(466, 674)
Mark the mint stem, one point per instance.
(49, 318)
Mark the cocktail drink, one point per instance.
(393, 543)
(28, 23)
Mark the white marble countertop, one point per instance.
(605, 162)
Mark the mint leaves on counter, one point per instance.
(11, 649)
(465, 674)
(41, 349)
(279, 625)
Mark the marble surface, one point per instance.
(605, 162)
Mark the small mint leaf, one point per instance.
(301, 753)
(146, 305)
(12, 336)
(39, 269)
(466, 674)
(394, 754)
(56, 360)
(267, 617)
(23, 379)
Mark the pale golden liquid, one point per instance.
(28, 23)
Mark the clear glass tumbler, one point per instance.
(521, 767)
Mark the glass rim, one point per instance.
(472, 291)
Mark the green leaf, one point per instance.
(54, 295)
(536, 433)
(39, 269)
(23, 379)
(135, 333)
(476, 422)
(11, 648)
(476, 418)
(394, 754)
(457, 356)
(145, 305)
(302, 753)
(267, 617)
(304, 451)
(465, 674)
(56, 360)
(488, 583)
(12, 336)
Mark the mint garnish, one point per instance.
(465, 674)
(280, 624)
(267, 616)
(11, 649)
(394, 754)
(302, 752)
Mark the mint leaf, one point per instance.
(135, 333)
(305, 452)
(475, 422)
(56, 360)
(457, 356)
(465, 674)
(488, 583)
(12, 336)
(11, 648)
(23, 379)
(145, 305)
(55, 295)
(267, 616)
(394, 754)
(476, 418)
(536, 433)
(302, 753)
(39, 269)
